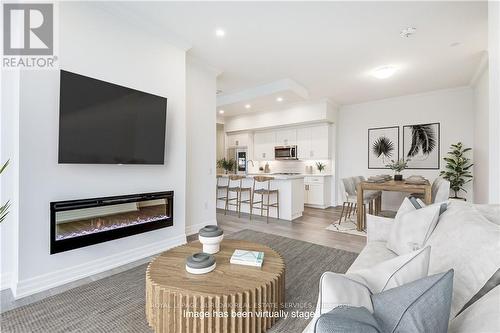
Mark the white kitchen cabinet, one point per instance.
(304, 143)
(286, 137)
(238, 140)
(320, 139)
(317, 191)
(313, 142)
(263, 145)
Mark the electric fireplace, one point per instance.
(78, 223)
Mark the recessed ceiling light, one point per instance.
(455, 44)
(221, 111)
(407, 32)
(279, 99)
(220, 32)
(384, 72)
(247, 106)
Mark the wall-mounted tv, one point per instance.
(104, 123)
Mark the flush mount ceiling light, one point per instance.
(279, 99)
(407, 32)
(247, 106)
(221, 111)
(220, 32)
(384, 72)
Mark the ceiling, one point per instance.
(327, 47)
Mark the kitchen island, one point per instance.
(291, 195)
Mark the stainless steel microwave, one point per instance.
(285, 153)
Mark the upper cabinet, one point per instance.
(286, 137)
(238, 140)
(263, 145)
(313, 142)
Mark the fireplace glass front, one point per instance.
(78, 223)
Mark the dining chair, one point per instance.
(440, 190)
(350, 205)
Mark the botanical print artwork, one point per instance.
(383, 146)
(421, 146)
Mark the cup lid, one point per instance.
(200, 260)
(210, 231)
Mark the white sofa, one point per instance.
(467, 239)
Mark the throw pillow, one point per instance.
(394, 272)
(467, 242)
(347, 320)
(481, 316)
(338, 290)
(420, 306)
(412, 229)
(406, 207)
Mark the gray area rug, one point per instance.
(116, 303)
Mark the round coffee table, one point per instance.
(232, 298)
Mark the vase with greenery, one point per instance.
(320, 166)
(458, 168)
(397, 167)
(4, 210)
(228, 165)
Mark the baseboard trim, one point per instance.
(193, 229)
(5, 281)
(57, 278)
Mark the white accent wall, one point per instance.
(494, 97)
(99, 45)
(481, 139)
(201, 145)
(453, 109)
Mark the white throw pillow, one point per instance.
(339, 289)
(394, 272)
(482, 316)
(412, 229)
(406, 207)
(467, 242)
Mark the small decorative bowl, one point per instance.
(211, 236)
(200, 263)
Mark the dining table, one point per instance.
(389, 185)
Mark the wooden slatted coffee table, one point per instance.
(232, 298)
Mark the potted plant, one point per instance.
(4, 210)
(320, 166)
(226, 165)
(457, 169)
(397, 167)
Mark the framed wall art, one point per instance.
(421, 144)
(383, 146)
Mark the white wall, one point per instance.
(299, 113)
(454, 109)
(481, 139)
(201, 146)
(9, 180)
(98, 45)
(494, 95)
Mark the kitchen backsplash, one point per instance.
(292, 166)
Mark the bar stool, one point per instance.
(239, 190)
(262, 191)
(222, 188)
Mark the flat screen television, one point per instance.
(104, 123)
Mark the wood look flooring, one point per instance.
(309, 228)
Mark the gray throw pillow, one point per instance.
(347, 319)
(420, 306)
